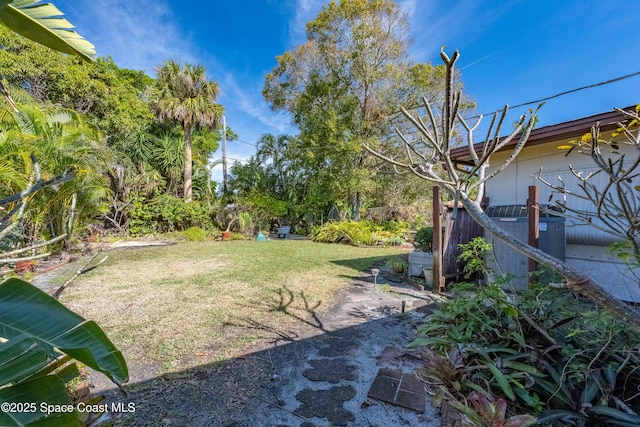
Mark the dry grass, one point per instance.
(172, 308)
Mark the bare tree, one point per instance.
(615, 205)
(466, 183)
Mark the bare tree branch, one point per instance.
(12, 219)
(461, 183)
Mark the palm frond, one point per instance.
(44, 24)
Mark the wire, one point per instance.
(617, 79)
(244, 142)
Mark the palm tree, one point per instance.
(61, 139)
(184, 95)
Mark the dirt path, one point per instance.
(319, 377)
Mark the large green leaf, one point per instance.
(24, 309)
(49, 390)
(27, 363)
(44, 24)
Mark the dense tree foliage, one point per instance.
(91, 109)
(153, 138)
(344, 88)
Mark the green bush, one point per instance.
(423, 240)
(474, 254)
(358, 233)
(165, 213)
(195, 234)
(395, 227)
(562, 359)
(398, 267)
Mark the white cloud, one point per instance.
(249, 100)
(304, 11)
(437, 23)
(139, 35)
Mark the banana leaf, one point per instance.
(25, 309)
(31, 324)
(44, 24)
(49, 390)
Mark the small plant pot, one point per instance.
(23, 267)
(428, 276)
(226, 235)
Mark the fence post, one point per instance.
(533, 215)
(438, 280)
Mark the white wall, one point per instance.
(586, 248)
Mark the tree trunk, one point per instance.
(576, 281)
(357, 203)
(188, 164)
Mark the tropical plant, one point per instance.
(43, 23)
(549, 354)
(423, 240)
(39, 337)
(243, 219)
(36, 332)
(474, 255)
(183, 95)
(486, 411)
(62, 140)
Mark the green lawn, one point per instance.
(197, 303)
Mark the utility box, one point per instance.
(513, 219)
(419, 261)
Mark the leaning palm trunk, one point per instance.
(576, 281)
(433, 148)
(188, 163)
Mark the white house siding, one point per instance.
(586, 246)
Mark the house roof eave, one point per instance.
(571, 129)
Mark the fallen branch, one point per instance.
(82, 270)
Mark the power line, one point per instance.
(617, 79)
(614, 80)
(245, 142)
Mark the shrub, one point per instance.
(165, 213)
(475, 254)
(546, 352)
(395, 227)
(195, 234)
(423, 240)
(398, 267)
(355, 233)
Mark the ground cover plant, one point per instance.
(542, 353)
(196, 303)
(360, 233)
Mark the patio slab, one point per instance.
(399, 389)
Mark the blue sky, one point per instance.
(512, 51)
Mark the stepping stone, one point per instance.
(326, 403)
(399, 389)
(331, 370)
(337, 346)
